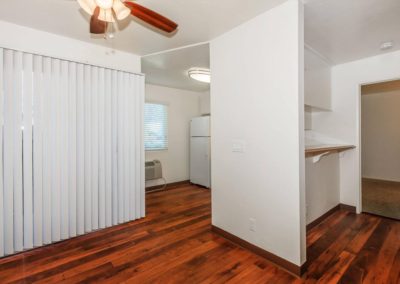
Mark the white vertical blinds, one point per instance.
(71, 149)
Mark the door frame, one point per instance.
(359, 124)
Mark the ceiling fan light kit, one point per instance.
(87, 5)
(106, 9)
(106, 16)
(104, 4)
(103, 11)
(121, 11)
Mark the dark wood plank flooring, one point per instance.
(174, 244)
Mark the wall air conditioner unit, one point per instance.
(153, 170)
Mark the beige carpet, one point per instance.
(381, 198)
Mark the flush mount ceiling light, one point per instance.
(103, 12)
(199, 74)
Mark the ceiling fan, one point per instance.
(104, 12)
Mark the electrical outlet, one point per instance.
(252, 224)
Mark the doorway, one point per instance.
(177, 118)
(380, 138)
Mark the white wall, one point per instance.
(381, 135)
(205, 108)
(257, 100)
(307, 118)
(43, 43)
(182, 107)
(344, 121)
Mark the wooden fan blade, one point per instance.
(151, 17)
(97, 26)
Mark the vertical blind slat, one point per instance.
(108, 156)
(125, 152)
(120, 147)
(95, 148)
(37, 151)
(132, 145)
(87, 150)
(72, 141)
(27, 149)
(1, 157)
(101, 150)
(136, 137)
(80, 149)
(64, 180)
(140, 139)
(8, 153)
(17, 124)
(114, 148)
(47, 155)
(55, 151)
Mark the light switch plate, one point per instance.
(238, 146)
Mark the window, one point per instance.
(155, 127)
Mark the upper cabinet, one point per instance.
(317, 81)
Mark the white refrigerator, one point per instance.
(200, 159)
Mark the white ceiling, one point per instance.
(199, 21)
(346, 30)
(341, 30)
(170, 68)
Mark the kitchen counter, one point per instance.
(315, 150)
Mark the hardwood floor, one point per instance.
(174, 244)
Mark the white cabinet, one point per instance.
(322, 186)
(317, 81)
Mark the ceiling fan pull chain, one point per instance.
(109, 33)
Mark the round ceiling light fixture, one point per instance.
(200, 74)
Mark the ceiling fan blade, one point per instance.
(97, 26)
(151, 17)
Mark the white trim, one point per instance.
(176, 49)
(359, 132)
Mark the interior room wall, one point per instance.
(205, 108)
(257, 132)
(307, 118)
(183, 105)
(47, 44)
(380, 117)
(344, 121)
